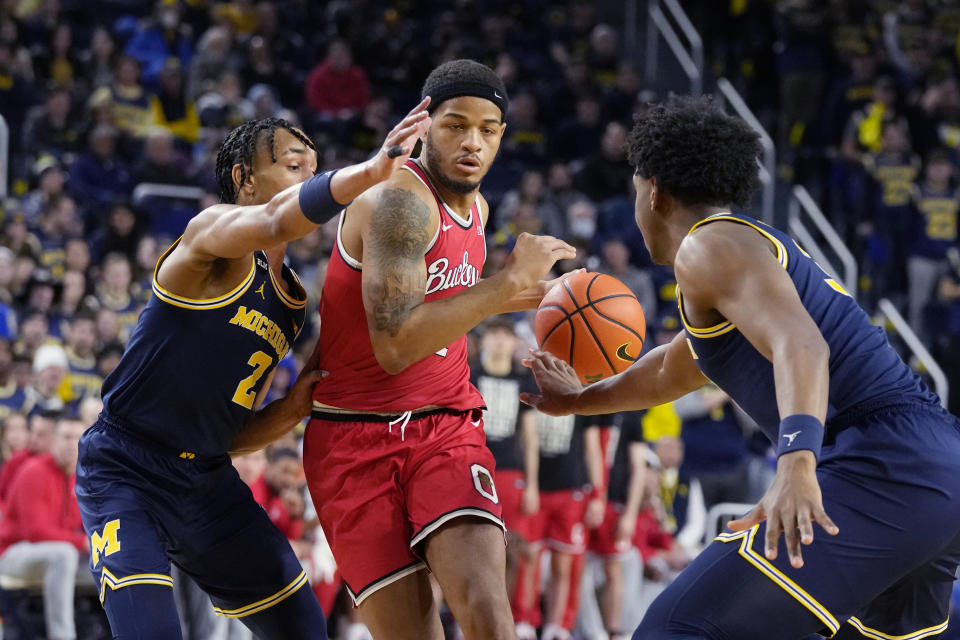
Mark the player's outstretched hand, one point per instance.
(559, 384)
(399, 143)
(791, 505)
(533, 257)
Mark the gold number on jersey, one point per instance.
(244, 395)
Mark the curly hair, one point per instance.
(696, 152)
(240, 147)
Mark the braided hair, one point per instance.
(241, 145)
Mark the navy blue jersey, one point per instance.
(864, 368)
(194, 368)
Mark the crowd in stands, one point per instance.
(102, 96)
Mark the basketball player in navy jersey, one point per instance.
(865, 449)
(154, 481)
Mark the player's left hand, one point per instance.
(558, 382)
(790, 506)
(399, 143)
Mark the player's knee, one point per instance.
(656, 626)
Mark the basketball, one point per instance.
(593, 322)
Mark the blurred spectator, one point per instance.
(159, 164)
(76, 254)
(604, 56)
(131, 102)
(714, 446)
(893, 170)
(14, 434)
(849, 95)
(279, 492)
(57, 63)
(936, 202)
(620, 98)
(265, 105)
(616, 262)
(159, 38)
(337, 87)
(224, 106)
(261, 67)
(905, 38)
(39, 442)
(108, 357)
(13, 397)
(34, 332)
(532, 191)
(16, 92)
(122, 231)
(212, 57)
(41, 292)
(864, 129)
(60, 223)
(365, 132)
(50, 181)
(250, 467)
(8, 321)
(581, 222)
(605, 174)
(72, 296)
(239, 15)
(98, 60)
(41, 534)
(580, 135)
(525, 139)
(49, 129)
(802, 48)
(560, 191)
(114, 293)
(100, 177)
(83, 380)
(50, 368)
(171, 108)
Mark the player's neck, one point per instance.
(497, 365)
(461, 203)
(682, 220)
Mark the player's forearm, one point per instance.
(801, 369)
(402, 337)
(660, 376)
(349, 182)
(265, 426)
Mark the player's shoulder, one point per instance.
(401, 181)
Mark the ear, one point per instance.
(660, 199)
(237, 175)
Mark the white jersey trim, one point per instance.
(366, 592)
(466, 223)
(358, 265)
(436, 524)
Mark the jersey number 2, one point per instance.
(244, 395)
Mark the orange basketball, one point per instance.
(592, 321)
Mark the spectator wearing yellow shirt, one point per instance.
(171, 109)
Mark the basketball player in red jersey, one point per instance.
(394, 453)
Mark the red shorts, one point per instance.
(559, 523)
(510, 486)
(603, 539)
(381, 488)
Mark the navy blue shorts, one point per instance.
(143, 509)
(891, 483)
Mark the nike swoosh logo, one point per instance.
(475, 423)
(445, 226)
(622, 353)
(497, 95)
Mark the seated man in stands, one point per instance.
(41, 535)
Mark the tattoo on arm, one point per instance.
(397, 240)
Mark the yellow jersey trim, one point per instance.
(867, 632)
(200, 303)
(287, 299)
(706, 332)
(267, 602)
(782, 257)
(746, 550)
(107, 579)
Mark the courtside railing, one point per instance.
(803, 206)
(4, 158)
(920, 352)
(659, 24)
(768, 166)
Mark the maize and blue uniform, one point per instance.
(154, 480)
(889, 471)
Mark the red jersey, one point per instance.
(41, 506)
(454, 260)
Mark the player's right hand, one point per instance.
(399, 143)
(558, 382)
(790, 506)
(533, 257)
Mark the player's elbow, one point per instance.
(390, 357)
(812, 348)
